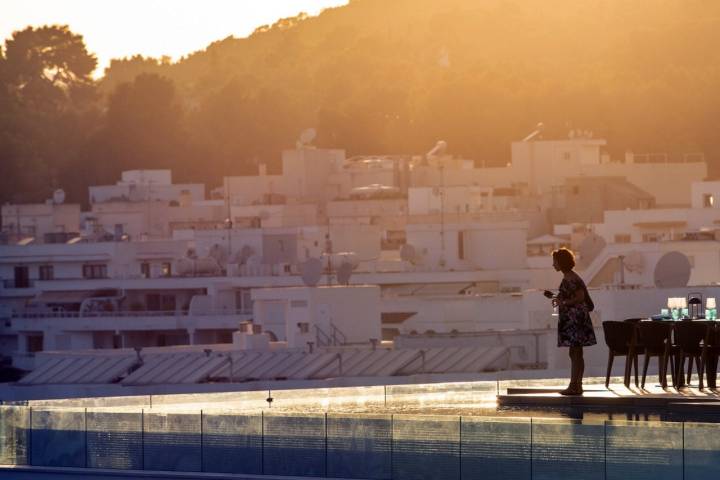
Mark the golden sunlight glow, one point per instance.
(152, 27)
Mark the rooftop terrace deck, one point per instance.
(453, 431)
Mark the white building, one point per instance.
(43, 222)
(147, 185)
(446, 251)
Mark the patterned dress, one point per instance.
(574, 325)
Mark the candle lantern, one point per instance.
(710, 308)
(695, 306)
(683, 307)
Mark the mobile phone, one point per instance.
(548, 294)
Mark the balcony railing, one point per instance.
(129, 313)
(11, 283)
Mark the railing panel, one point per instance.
(114, 440)
(359, 446)
(426, 447)
(232, 443)
(568, 449)
(172, 441)
(14, 435)
(294, 445)
(496, 448)
(58, 438)
(701, 451)
(643, 451)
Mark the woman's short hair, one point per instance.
(564, 258)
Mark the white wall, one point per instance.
(354, 310)
(146, 177)
(489, 246)
(38, 219)
(701, 189)
(623, 222)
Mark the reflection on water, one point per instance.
(458, 398)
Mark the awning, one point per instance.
(665, 224)
(74, 296)
(547, 240)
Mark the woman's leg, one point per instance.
(572, 388)
(580, 362)
(573, 368)
(577, 366)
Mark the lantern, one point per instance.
(695, 306)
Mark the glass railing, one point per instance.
(346, 445)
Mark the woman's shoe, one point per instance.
(572, 390)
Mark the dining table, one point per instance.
(678, 374)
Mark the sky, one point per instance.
(116, 29)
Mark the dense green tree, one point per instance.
(49, 67)
(143, 127)
(48, 99)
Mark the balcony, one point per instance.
(129, 320)
(12, 283)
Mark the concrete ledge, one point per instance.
(42, 473)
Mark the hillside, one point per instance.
(394, 76)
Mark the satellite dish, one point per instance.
(58, 196)
(590, 248)
(311, 270)
(634, 262)
(344, 272)
(306, 137)
(672, 271)
(408, 253)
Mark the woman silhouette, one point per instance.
(575, 328)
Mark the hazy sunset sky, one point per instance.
(115, 29)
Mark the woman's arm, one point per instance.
(577, 297)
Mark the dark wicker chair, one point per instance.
(633, 320)
(656, 341)
(710, 353)
(620, 339)
(689, 336)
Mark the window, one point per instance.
(650, 237)
(145, 270)
(34, 343)
(46, 272)
(243, 301)
(166, 269)
(622, 238)
(708, 200)
(22, 277)
(461, 245)
(160, 303)
(95, 271)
